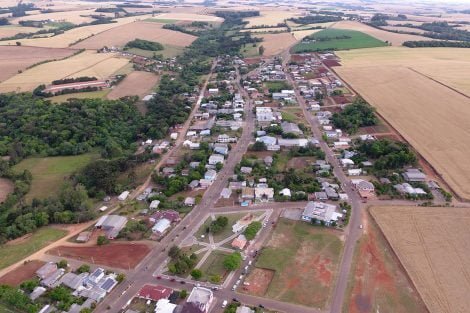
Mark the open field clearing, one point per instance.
(101, 94)
(271, 17)
(189, 17)
(449, 66)
(50, 172)
(88, 63)
(404, 29)
(393, 38)
(338, 39)
(276, 43)
(20, 248)
(301, 34)
(75, 17)
(6, 187)
(136, 83)
(72, 36)
(21, 273)
(430, 116)
(393, 23)
(432, 244)
(265, 30)
(11, 30)
(119, 255)
(120, 36)
(14, 59)
(303, 261)
(378, 282)
(169, 51)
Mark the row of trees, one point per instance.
(317, 18)
(436, 43)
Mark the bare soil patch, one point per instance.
(259, 280)
(299, 162)
(21, 273)
(119, 255)
(136, 83)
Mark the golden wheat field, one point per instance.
(433, 246)
(188, 17)
(72, 36)
(404, 29)
(393, 38)
(11, 30)
(88, 63)
(431, 116)
(136, 83)
(75, 17)
(271, 17)
(276, 43)
(121, 35)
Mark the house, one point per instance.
(213, 91)
(364, 188)
(354, 171)
(288, 127)
(95, 277)
(221, 148)
(244, 309)
(268, 160)
(264, 194)
(204, 183)
(52, 280)
(224, 138)
(193, 184)
(414, 175)
(285, 192)
(216, 158)
(267, 140)
(161, 226)
(202, 298)
(295, 142)
(246, 169)
(331, 193)
(170, 215)
(46, 270)
(174, 136)
(189, 201)
(165, 306)
(347, 162)
(154, 204)
(321, 195)
(37, 292)
(111, 224)
(248, 194)
(123, 196)
(226, 193)
(239, 242)
(406, 188)
(72, 280)
(154, 293)
(320, 211)
(236, 185)
(210, 175)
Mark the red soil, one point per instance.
(21, 273)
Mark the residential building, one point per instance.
(170, 215)
(161, 226)
(165, 306)
(414, 175)
(154, 204)
(189, 201)
(123, 196)
(244, 309)
(248, 194)
(264, 194)
(201, 297)
(226, 193)
(210, 175)
(154, 292)
(46, 270)
(239, 242)
(216, 158)
(320, 211)
(295, 142)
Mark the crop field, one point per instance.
(393, 38)
(49, 173)
(100, 94)
(20, 248)
(87, 63)
(404, 29)
(333, 40)
(11, 30)
(265, 30)
(304, 259)
(14, 59)
(169, 51)
(393, 22)
(136, 83)
(6, 187)
(301, 34)
(271, 17)
(432, 244)
(276, 43)
(377, 280)
(75, 17)
(72, 36)
(441, 135)
(121, 35)
(188, 17)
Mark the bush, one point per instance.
(120, 277)
(84, 268)
(218, 225)
(233, 261)
(183, 293)
(196, 274)
(102, 240)
(62, 264)
(252, 229)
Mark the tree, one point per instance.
(218, 225)
(183, 293)
(196, 274)
(62, 264)
(174, 252)
(29, 285)
(219, 166)
(102, 240)
(120, 277)
(215, 279)
(252, 229)
(84, 268)
(261, 50)
(233, 261)
(259, 146)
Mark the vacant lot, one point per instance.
(305, 260)
(339, 39)
(136, 83)
(430, 116)
(120, 36)
(432, 244)
(88, 63)
(393, 38)
(378, 282)
(6, 187)
(49, 173)
(21, 273)
(276, 43)
(14, 59)
(119, 255)
(20, 248)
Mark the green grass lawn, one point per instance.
(277, 85)
(305, 259)
(11, 253)
(49, 172)
(101, 94)
(169, 51)
(355, 40)
(226, 232)
(214, 265)
(250, 51)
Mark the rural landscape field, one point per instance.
(220, 156)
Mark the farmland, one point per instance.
(304, 259)
(15, 59)
(49, 173)
(432, 245)
(188, 17)
(276, 43)
(118, 255)
(88, 63)
(27, 245)
(75, 17)
(271, 17)
(136, 83)
(11, 30)
(119, 36)
(401, 95)
(377, 280)
(338, 39)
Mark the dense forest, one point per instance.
(312, 19)
(145, 45)
(358, 114)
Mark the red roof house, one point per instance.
(154, 293)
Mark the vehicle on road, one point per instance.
(360, 226)
(159, 277)
(224, 304)
(235, 300)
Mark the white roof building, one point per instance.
(164, 306)
(320, 211)
(154, 204)
(161, 226)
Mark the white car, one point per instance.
(360, 226)
(224, 304)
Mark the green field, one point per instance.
(249, 51)
(14, 252)
(101, 94)
(226, 232)
(277, 85)
(338, 39)
(214, 265)
(304, 259)
(49, 172)
(169, 51)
